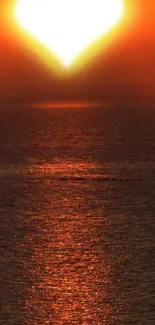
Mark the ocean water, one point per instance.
(77, 215)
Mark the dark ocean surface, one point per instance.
(77, 215)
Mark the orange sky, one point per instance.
(126, 66)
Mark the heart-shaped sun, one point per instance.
(67, 27)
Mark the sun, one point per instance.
(67, 27)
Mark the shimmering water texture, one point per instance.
(77, 216)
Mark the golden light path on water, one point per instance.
(68, 27)
(77, 216)
(69, 270)
(69, 104)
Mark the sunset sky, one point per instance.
(126, 65)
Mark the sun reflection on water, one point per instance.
(69, 268)
(70, 104)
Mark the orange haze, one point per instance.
(126, 66)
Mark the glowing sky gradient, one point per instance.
(67, 27)
(126, 65)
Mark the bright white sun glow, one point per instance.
(67, 27)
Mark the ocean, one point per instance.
(77, 214)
